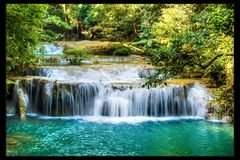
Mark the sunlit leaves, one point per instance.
(23, 27)
(193, 37)
(174, 19)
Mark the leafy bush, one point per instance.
(23, 29)
(121, 51)
(9, 83)
(77, 52)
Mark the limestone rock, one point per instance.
(22, 105)
(226, 119)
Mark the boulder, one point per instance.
(226, 119)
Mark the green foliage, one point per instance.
(141, 42)
(77, 52)
(111, 21)
(225, 101)
(86, 15)
(149, 14)
(225, 95)
(75, 60)
(76, 55)
(23, 28)
(118, 22)
(57, 22)
(121, 51)
(195, 38)
(9, 82)
(189, 41)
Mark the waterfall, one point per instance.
(55, 98)
(49, 49)
(48, 88)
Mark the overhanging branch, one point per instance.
(209, 63)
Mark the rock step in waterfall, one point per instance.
(104, 90)
(54, 98)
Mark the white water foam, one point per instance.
(10, 114)
(101, 73)
(120, 120)
(215, 121)
(137, 119)
(32, 114)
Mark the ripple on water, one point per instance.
(80, 137)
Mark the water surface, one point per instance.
(86, 136)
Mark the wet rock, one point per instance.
(206, 114)
(189, 85)
(120, 87)
(211, 108)
(209, 116)
(22, 105)
(17, 138)
(11, 141)
(226, 119)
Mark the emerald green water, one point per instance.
(77, 137)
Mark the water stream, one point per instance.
(113, 91)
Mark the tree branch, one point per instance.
(209, 63)
(215, 58)
(132, 47)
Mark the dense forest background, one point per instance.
(179, 39)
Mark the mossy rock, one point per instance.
(22, 106)
(15, 140)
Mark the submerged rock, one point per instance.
(12, 141)
(15, 140)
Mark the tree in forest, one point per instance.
(111, 21)
(190, 40)
(23, 28)
(197, 38)
(26, 26)
(60, 22)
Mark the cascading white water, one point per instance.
(20, 94)
(100, 73)
(112, 91)
(198, 97)
(49, 49)
(48, 98)
(166, 101)
(96, 99)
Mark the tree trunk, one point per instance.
(79, 30)
(135, 30)
(133, 48)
